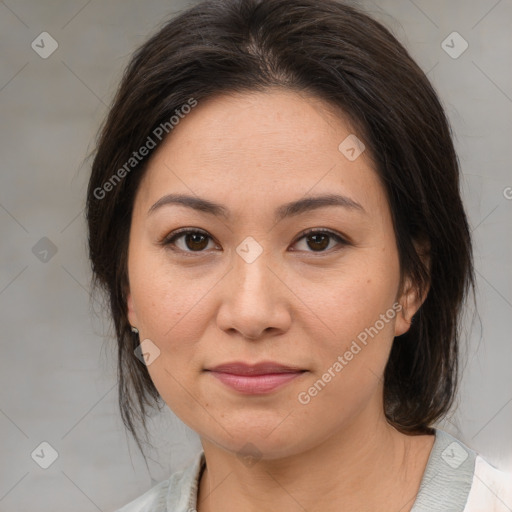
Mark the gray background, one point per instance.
(58, 356)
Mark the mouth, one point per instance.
(255, 379)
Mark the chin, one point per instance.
(258, 435)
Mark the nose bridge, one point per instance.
(252, 302)
(252, 273)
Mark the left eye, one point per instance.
(197, 240)
(318, 239)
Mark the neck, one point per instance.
(368, 465)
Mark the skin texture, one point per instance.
(298, 303)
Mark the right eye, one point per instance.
(194, 240)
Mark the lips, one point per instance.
(255, 379)
(263, 368)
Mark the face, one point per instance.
(248, 282)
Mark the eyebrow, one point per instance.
(291, 209)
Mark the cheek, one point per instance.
(167, 299)
(360, 315)
(173, 307)
(351, 300)
(349, 370)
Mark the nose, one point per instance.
(255, 301)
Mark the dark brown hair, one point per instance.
(342, 56)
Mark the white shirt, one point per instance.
(456, 479)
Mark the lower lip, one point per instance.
(255, 384)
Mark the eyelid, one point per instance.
(174, 234)
(341, 239)
(168, 240)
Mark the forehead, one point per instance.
(259, 145)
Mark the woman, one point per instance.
(274, 212)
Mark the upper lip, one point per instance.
(263, 368)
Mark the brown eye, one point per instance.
(196, 241)
(193, 240)
(319, 240)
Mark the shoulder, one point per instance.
(491, 489)
(176, 494)
(458, 478)
(153, 500)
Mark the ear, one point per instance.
(410, 298)
(132, 316)
(410, 301)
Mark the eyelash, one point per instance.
(170, 239)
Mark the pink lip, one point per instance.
(255, 379)
(257, 383)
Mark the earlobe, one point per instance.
(413, 295)
(403, 322)
(410, 303)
